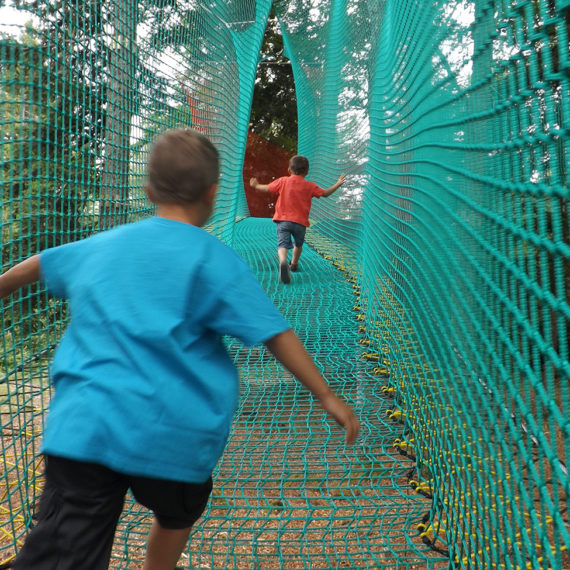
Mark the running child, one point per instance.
(292, 208)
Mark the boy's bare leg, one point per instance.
(282, 254)
(164, 547)
(296, 255)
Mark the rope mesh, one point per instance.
(434, 294)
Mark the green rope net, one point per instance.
(434, 294)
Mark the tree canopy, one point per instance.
(274, 105)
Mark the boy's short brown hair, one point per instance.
(183, 164)
(299, 164)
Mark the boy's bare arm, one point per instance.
(289, 350)
(335, 186)
(257, 186)
(24, 273)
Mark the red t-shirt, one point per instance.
(294, 198)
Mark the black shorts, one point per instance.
(81, 504)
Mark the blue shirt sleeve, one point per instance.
(239, 306)
(57, 264)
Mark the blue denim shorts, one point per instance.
(288, 230)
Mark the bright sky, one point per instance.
(11, 19)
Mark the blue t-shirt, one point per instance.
(143, 382)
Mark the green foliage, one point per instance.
(52, 122)
(274, 106)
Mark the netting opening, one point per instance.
(272, 136)
(434, 294)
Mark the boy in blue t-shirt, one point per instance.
(144, 388)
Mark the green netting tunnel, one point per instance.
(434, 295)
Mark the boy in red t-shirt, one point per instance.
(294, 195)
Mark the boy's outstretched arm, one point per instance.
(24, 273)
(289, 350)
(335, 186)
(257, 186)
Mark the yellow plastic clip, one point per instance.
(370, 356)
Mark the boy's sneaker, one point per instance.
(294, 267)
(284, 275)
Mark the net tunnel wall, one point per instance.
(434, 293)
